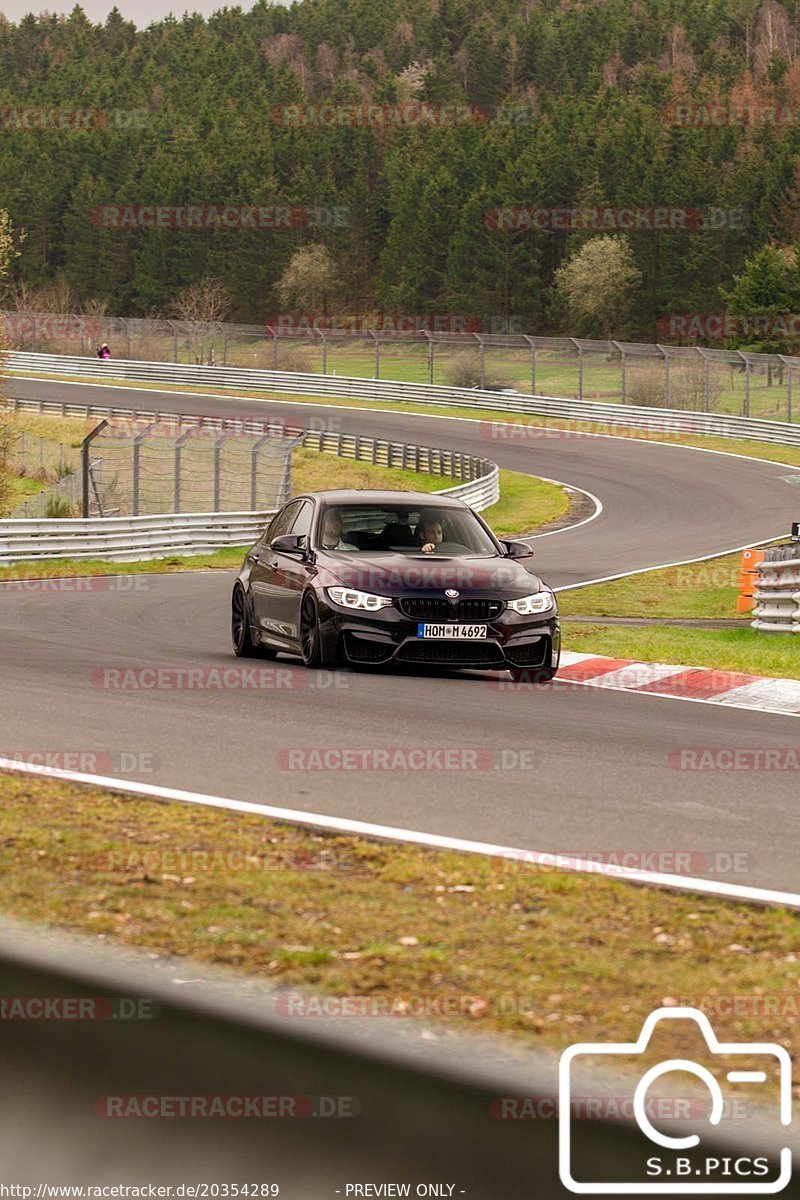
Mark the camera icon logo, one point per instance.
(682, 1164)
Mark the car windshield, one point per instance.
(398, 529)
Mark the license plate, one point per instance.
(470, 633)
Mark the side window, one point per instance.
(301, 526)
(282, 523)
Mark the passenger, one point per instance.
(331, 533)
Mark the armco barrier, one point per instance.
(654, 420)
(134, 539)
(778, 596)
(127, 539)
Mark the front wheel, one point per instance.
(243, 644)
(310, 636)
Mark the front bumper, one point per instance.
(389, 636)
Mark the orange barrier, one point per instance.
(748, 580)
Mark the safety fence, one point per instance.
(136, 469)
(43, 457)
(654, 420)
(778, 594)
(478, 478)
(46, 468)
(690, 377)
(133, 537)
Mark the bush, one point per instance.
(57, 507)
(644, 386)
(465, 371)
(292, 358)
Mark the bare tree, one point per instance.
(202, 307)
(774, 35)
(55, 296)
(678, 56)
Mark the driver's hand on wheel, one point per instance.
(428, 548)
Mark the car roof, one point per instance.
(336, 496)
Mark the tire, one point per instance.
(243, 644)
(310, 636)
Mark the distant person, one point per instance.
(103, 351)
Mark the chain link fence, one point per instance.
(139, 467)
(46, 461)
(691, 378)
(42, 458)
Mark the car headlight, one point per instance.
(350, 598)
(538, 602)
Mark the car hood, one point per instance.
(415, 574)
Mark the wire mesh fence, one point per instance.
(50, 469)
(694, 378)
(137, 468)
(61, 499)
(42, 458)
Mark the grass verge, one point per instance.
(697, 590)
(701, 589)
(549, 957)
(743, 650)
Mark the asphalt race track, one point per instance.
(560, 768)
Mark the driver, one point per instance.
(429, 532)
(331, 532)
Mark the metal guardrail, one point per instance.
(654, 420)
(135, 539)
(127, 539)
(778, 594)
(481, 486)
(682, 376)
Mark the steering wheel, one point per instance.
(451, 548)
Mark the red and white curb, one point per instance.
(703, 684)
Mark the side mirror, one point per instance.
(517, 549)
(288, 543)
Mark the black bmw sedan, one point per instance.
(370, 578)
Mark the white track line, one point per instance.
(437, 841)
(684, 562)
(573, 487)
